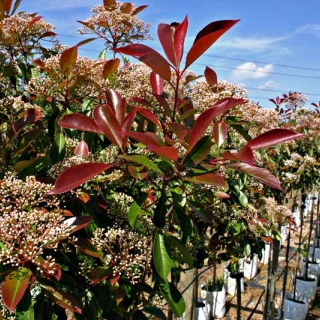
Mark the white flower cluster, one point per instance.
(127, 252)
(29, 223)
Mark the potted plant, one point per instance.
(215, 294)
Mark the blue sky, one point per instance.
(275, 47)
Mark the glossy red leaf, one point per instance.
(127, 125)
(28, 116)
(167, 152)
(149, 115)
(80, 122)
(158, 64)
(179, 38)
(180, 130)
(62, 298)
(273, 137)
(76, 223)
(77, 175)
(139, 9)
(208, 178)
(108, 124)
(81, 149)
(86, 246)
(261, 174)
(99, 274)
(117, 104)
(110, 67)
(206, 38)
(138, 172)
(7, 6)
(14, 287)
(33, 21)
(211, 76)
(206, 117)
(221, 195)
(126, 7)
(48, 34)
(86, 24)
(68, 59)
(157, 83)
(109, 3)
(244, 155)
(143, 138)
(220, 131)
(135, 50)
(166, 37)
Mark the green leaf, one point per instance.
(58, 149)
(142, 159)
(99, 273)
(139, 315)
(183, 250)
(154, 311)
(135, 210)
(173, 297)
(208, 178)
(159, 216)
(162, 256)
(185, 223)
(243, 199)
(14, 287)
(86, 246)
(199, 152)
(62, 298)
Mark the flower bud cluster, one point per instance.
(127, 252)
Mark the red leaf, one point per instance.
(221, 195)
(7, 6)
(126, 7)
(273, 137)
(166, 37)
(143, 138)
(79, 122)
(99, 274)
(81, 149)
(109, 3)
(14, 287)
(261, 174)
(68, 59)
(138, 172)
(110, 67)
(84, 197)
(208, 178)
(74, 176)
(33, 21)
(156, 83)
(179, 37)
(170, 153)
(139, 9)
(220, 131)
(206, 117)
(244, 155)
(108, 124)
(62, 298)
(158, 64)
(48, 34)
(149, 115)
(117, 104)
(86, 246)
(206, 38)
(76, 223)
(211, 76)
(135, 50)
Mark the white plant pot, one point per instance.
(310, 202)
(284, 233)
(217, 302)
(265, 253)
(316, 252)
(306, 289)
(295, 309)
(250, 268)
(304, 210)
(315, 199)
(313, 268)
(296, 216)
(202, 310)
(231, 283)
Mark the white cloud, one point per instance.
(252, 44)
(269, 85)
(313, 29)
(249, 70)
